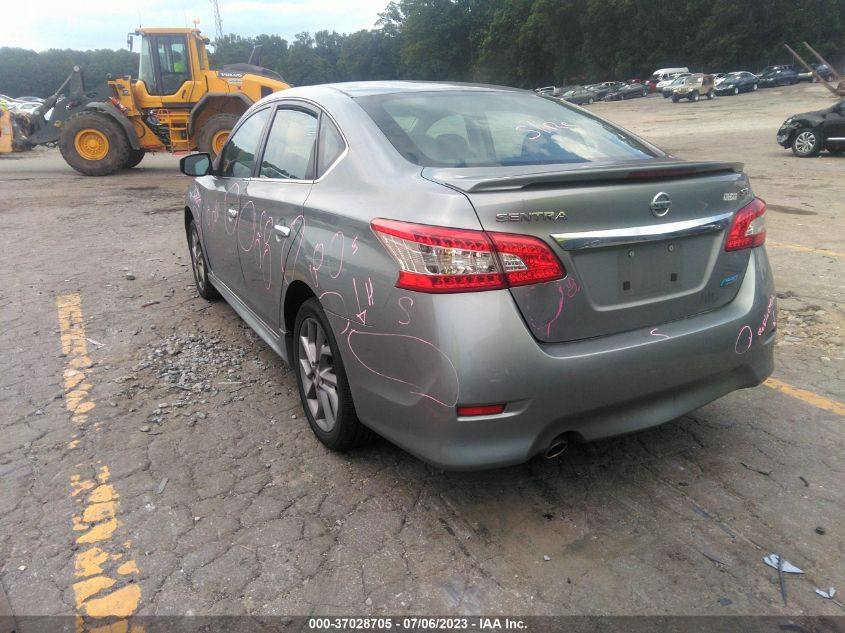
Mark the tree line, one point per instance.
(524, 43)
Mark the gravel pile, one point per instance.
(199, 367)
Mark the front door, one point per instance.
(833, 129)
(226, 199)
(273, 211)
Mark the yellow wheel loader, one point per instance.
(176, 104)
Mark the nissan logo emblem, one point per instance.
(660, 204)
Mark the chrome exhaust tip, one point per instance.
(556, 449)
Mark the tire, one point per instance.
(694, 96)
(754, 89)
(666, 96)
(645, 93)
(199, 264)
(735, 91)
(675, 98)
(94, 144)
(135, 157)
(317, 361)
(590, 101)
(806, 143)
(710, 95)
(213, 134)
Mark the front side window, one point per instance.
(489, 128)
(173, 62)
(238, 157)
(289, 153)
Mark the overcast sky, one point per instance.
(86, 24)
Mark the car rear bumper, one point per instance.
(475, 349)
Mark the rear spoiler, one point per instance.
(481, 179)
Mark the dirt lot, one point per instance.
(155, 458)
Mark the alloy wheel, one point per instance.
(317, 372)
(197, 258)
(805, 142)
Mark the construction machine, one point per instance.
(837, 90)
(176, 104)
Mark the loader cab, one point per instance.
(171, 60)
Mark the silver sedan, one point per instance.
(481, 274)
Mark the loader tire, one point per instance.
(94, 144)
(135, 157)
(212, 136)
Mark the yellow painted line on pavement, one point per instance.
(807, 396)
(75, 348)
(804, 249)
(106, 577)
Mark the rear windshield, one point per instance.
(477, 129)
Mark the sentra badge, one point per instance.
(531, 216)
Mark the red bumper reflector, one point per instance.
(481, 409)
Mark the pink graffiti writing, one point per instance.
(336, 274)
(443, 390)
(405, 304)
(362, 313)
(300, 219)
(768, 314)
(743, 340)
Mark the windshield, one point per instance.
(733, 76)
(475, 129)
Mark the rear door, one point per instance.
(226, 197)
(273, 209)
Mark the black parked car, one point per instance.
(627, 91)
(734, 83)
(809, 133)
(822, 70)
(601, 90)
(781, 76)
(579, 95)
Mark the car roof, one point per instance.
(355, 89)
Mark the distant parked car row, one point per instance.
(678, 83)
(21, 104)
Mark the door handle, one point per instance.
(281, 230)
(233, 213)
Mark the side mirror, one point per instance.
(196, 165)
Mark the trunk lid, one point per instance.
(631, 263)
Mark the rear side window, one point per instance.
(331, 145)
(238, 157)
(476, 129)
(290, 146)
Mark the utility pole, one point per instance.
(218, 21)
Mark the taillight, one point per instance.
(440, 259)
(749, 226)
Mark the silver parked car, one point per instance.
(481, 274)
